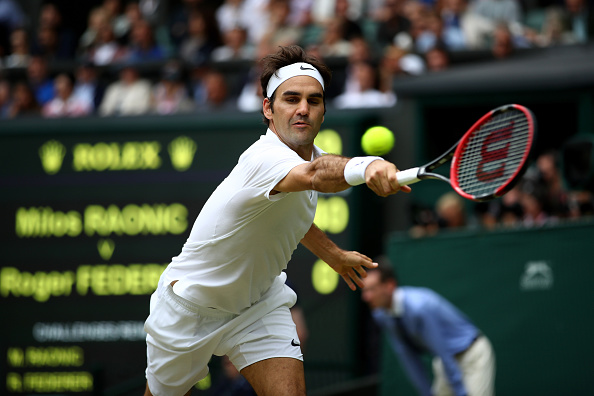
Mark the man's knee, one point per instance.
(276, 376)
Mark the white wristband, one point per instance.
(354, 170)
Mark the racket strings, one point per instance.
(493, 153)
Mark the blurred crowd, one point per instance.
(168, 57)
(188, 41)
(542, 197)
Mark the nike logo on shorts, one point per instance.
(295, 343)
(305, 68)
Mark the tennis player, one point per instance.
(225, 294)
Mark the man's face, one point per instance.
(375, 293)
(298, 112)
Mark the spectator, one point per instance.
(506, 212)
(368, 94)
(19, 52)
(396, 63)
(450, 211)
(142, 46)
(197, 87)
(169, 94)
(581, 203)
(11, 18)
(533, 208)
(573, 23)
(54, 38)
(217, 93)
(503, 42)
(251, 96)
(545, 181)
(87, 86)
(255, 17)
(155, 12)
(346, 80)
(497, 11)
(203, 37)
(235, 47)
(464, 29)
(431, 34)
(119, 20)
(437, 59)
(511, 212)
(65, 104)
(24, 103)
(106, 49)
(113, 9)
(97, 18)
(130, 95)
(38, 77)
(279, 31)
(229, 16)
(424, 222)
(122, 24)
(180, 18)
(350, 27)
(332, 43)
(324, 10)
(301, 13)
(47, 43)
(579, 17)
(392, 21)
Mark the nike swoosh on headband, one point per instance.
(292, 70)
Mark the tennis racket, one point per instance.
(489, 159)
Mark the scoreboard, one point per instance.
(93, 210)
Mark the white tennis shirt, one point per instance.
(244, 237)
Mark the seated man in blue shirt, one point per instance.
(417, 321)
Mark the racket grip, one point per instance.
(408, 176)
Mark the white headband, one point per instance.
(290, 71)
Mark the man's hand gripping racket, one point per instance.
(490, 157)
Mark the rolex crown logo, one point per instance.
(52, 154)
(181, 151)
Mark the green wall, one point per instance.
(530, 291)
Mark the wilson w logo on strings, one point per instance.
(489, 155)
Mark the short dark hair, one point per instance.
(287, 56)
(385, 268)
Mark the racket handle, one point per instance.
(408, 176)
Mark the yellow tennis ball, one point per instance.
(377, 140)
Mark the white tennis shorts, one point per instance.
(182, 336)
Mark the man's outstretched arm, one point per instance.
(327, 174)
(348, 264)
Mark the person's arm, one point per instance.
(348, 264)
(327, 174)
(413, 366)
(433, 337)
(409, 360)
